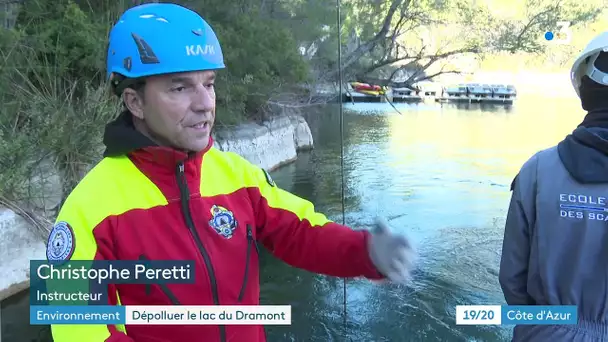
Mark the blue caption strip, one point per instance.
(514, 315)
(94, 314)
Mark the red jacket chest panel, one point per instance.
(218, 237)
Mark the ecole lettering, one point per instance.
(582, 199)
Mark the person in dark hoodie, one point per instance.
(555, 249)
(164, 192)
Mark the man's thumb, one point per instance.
(381, 226)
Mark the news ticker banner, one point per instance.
(516, 314)
(275, 315)
(165, 315)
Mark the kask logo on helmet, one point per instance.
(198, 50)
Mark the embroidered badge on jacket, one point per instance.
(223, 221)
(60, 245)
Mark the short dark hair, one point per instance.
(119, 83)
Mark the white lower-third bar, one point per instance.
(211, 315)
(478, 314)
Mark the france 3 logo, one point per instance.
(561, 35)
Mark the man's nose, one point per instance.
(204, 99)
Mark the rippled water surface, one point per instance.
(441, 174)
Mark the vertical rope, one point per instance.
(340, 95)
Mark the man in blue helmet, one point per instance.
(555, 249)
(163, 192)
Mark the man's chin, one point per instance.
(198, 145)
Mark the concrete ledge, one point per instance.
(18, 245)
(271, 145)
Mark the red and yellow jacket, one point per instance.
(147, 201)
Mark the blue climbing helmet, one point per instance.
(161, 38)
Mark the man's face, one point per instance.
(178, 110)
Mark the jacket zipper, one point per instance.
(172, 297)
(250, 241)
(185, 199)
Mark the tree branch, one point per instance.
(417, 58)
(519, 40)
(441, 72)
(390, 61)
(372, 43)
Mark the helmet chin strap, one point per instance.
(594, 73)
(598, 76)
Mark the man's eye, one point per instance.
(178, 89)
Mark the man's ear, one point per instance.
(134, 102)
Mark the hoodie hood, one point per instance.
(121, 137)
(584, 153)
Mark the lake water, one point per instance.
(441, 174)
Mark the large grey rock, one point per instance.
(302, 134)
(270, 145)
(19, 244)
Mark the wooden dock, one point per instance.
(429, 92)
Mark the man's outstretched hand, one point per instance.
(393, 255)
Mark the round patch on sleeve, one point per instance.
(60, 245)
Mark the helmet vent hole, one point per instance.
(127, 63)
(154, 16)
(146, 54)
